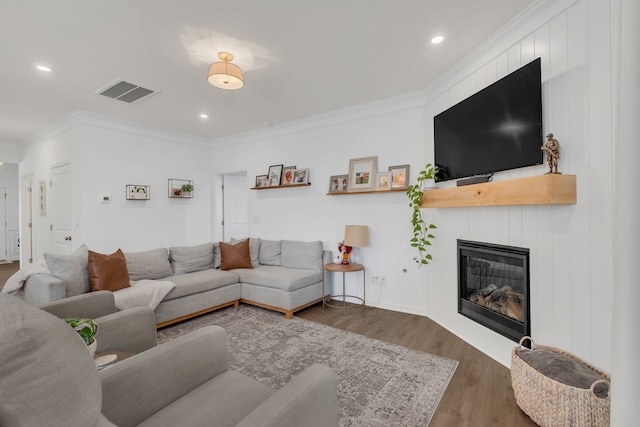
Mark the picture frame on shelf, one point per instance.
(138, 192)
(383, 181)
(288, 173)
(301, 176)
(399, 177)
(262, 181)
(275, 175)
(362, 174)
(180, 188)
(338, 184)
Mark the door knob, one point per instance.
(67, 238)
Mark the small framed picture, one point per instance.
(261, 180)
(338, 184)
(138, 192)
(384, 181)
(287, 175)
(362, 173)
(275, 175)
(399, 176)
(301, 176)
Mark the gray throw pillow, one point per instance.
(254, 249)
(152, 264)
(270, 252)
(306, 255)
(71, 269)
(187, 259)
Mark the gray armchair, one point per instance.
(47, 378)
(130, 331)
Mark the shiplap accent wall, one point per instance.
(571, 245)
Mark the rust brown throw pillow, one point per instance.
(235, 256)
(108, 272)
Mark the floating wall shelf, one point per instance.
(547, 189)
(404, 190)
(281, 186)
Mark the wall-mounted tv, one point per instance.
(496, 129)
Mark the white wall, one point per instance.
(571, 263)
(391, 130)
(105, 156)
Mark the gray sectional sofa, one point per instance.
(287, 276)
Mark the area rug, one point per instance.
(379, 384)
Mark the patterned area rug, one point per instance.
(379, 384)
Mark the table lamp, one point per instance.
(355, 236)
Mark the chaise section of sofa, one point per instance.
(285, 276)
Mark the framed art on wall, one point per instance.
(275, 175)
(362, 173)
(138, 192)
(301, 176)
(399, 176)
(180, 188)
(262, 181)
(384, 181)
(338, 183)
(288, 173)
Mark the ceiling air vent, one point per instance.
(125, 91)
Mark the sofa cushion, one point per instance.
(108, 272)
(71, 269)
(254, 249)
(235, 255)
(200, 281)
(270, 252)
(152, 264)
(47, 376)
(286, 279)
(187, 259)
(296, 254)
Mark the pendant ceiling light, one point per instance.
(225, 75)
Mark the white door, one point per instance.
(3, 223)
(235, 199)
(26, 241)
(61, 208)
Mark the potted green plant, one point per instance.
(87, 329)
(422, 236)
(186, 189)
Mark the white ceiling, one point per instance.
(300, 57)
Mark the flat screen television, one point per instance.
(496, 129)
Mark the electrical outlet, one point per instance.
(375, 280)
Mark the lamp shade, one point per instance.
(225, 75)
(356, 235)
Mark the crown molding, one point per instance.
(81, 117)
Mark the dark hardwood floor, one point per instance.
(7, 270)
(480, 392)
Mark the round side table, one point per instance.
(345, 268)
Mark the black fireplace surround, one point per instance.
(493, 287)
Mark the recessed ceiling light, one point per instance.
(43, 68)
(204, 116)
(437, 39)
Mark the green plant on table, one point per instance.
(421, 231)
(86, 328)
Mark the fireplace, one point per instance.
(493, 287)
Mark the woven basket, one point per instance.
(554, 404)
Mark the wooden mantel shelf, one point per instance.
(547, 189)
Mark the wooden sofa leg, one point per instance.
(236, 304)
(288, 314)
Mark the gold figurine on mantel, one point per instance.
(552, 148)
